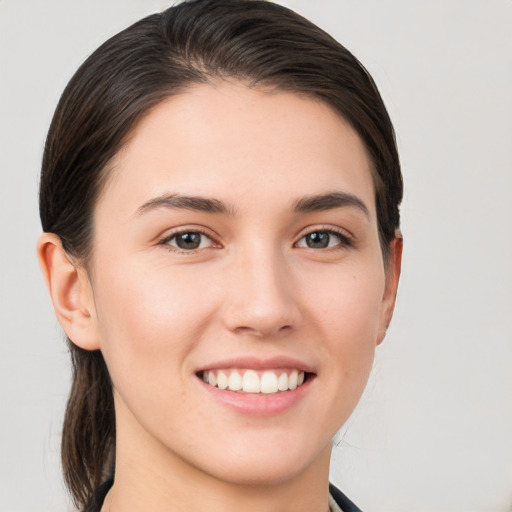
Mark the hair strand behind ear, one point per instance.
(88, 434)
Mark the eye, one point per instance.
(188, 240)
(323, 239)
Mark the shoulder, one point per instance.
(342, 501)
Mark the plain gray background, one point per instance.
(434, 429)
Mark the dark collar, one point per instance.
(99, 496)
(343, 502)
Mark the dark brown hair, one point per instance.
(256, 42)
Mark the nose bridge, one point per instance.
(260, 297)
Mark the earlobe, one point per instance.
(70, 292)
(393, 269)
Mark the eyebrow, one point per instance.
(330, 201)
(176, 201)
(314, 203)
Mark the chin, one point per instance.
(261, 464)
(264, 472)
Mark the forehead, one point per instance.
(230, 141)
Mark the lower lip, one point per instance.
(259, 404)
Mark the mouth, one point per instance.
(250, 381)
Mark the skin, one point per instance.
(254, 288)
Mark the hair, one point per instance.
(256, 42)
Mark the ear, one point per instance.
(393, 268)
(70, 291)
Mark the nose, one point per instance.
(260, 296)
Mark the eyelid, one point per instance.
(169, 235)
(341, 232)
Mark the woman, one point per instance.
(219, 199)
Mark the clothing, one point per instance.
(342, 501)
(336, 499)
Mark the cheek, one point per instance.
(347, 314)
(349, 302)
(149, 321)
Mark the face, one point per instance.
(236, 243)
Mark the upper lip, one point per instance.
(256, 363)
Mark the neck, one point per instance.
(151, 477)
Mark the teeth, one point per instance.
(292, 379)
(282, 382)
(250, 381)
(235, 381)
(222, 380)
(269, 382)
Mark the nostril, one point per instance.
(262, 330)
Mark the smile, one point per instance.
(252, 381)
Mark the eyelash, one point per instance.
(345, 240)
(166, 241)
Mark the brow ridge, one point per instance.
(312, 203)
(329, 201)
(203, 204)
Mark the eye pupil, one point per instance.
(188, 240)
(318, 240)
